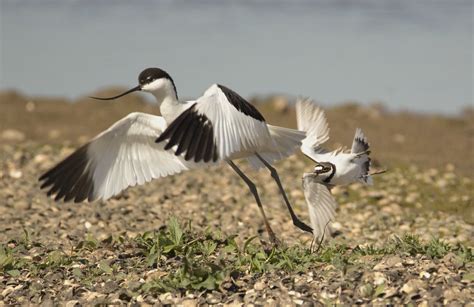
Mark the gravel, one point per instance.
(406, 199)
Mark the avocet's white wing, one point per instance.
(321, 204)
(123, 155)
(220, 125)
(312, 119)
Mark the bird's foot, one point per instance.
(268, 246)
(275, 241)
(301, 225)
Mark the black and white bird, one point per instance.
(219, 126)
(333, 168)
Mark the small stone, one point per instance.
(379, 278)
(15, 174)
(366, 290)
(399, 138)
(54, 134)
(40, 159)
(390, 262)
(441, 183)
(336, 226)
(7, 290)
(189, 303)
(155, 274)
(450, 167)
(410, 261)
(451, 259)
(296, 194)
(423, 304)
(12, 135)
(412, 286)
(259, 286)
(30, 106)
(412, 197)
(165, 296)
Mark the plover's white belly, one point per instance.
(346, 171)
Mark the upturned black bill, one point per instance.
(136, 88)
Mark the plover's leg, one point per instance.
(296, 221)
(253, 190)
(378, 172)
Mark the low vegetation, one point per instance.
(176, 258)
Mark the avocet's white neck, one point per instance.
(166, 97)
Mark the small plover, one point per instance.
(333, 168)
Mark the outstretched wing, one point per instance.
(218, 126)
(123, 155)
(312, 119)
(321, 204)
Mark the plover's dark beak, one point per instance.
(136, 88)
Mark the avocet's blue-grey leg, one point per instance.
(253, 190)
(296, 221)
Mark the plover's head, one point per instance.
(153, 80)
(324, 170)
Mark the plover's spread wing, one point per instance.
(321, 204)
(360, 143)
(312, 119)
(360, 148)
(220, 125)
(123, 155)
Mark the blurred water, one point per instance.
(409, 54)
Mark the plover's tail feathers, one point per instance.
(360, 147)
(360, 143)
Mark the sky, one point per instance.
(410, 55)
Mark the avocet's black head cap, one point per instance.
(151, 74)
(147, 76)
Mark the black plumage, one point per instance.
(71, 178)
(193, 134)
(241, 104)
(361, 144)
(333, 172)
(153, 73)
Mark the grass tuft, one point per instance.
(180, 259)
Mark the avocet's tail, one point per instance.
(286, 142)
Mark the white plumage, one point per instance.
(321, 204)
(219, 126)
(237, 135)
(126, 155)
(333, 168)
(349, 166)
